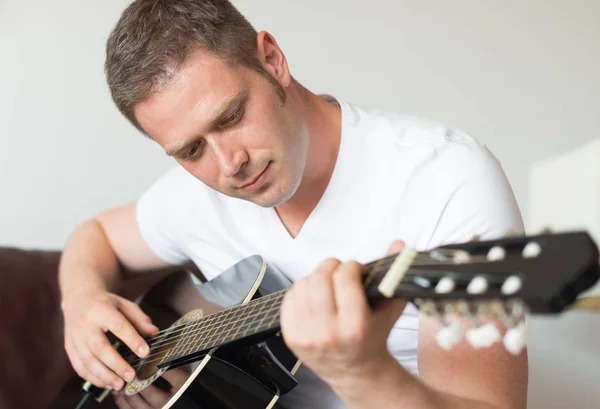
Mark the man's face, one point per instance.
(228, 127)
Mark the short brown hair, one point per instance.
(154, 38)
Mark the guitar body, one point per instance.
(252, 374)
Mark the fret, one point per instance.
(176, 351)
(275, 317)
(232, 324)
(199, 334)
(187, 340)
(256, 326)
(188, 337)
(237, 327)
(228, 325)
(251, 310)
(216, 328)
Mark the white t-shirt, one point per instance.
(396, 177)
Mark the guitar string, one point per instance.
(221, 340)
(205, 330)
(383, 266)
(217, 316)
(138, 362)
(202, 326)
(380, 269)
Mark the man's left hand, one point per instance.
(327, 322)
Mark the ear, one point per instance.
(272, 58)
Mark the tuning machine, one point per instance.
(451, 332)
(451, 314)
(511, 314)
(515, 338)
(531, 250)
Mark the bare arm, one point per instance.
(98, 248)
(462, 378)
(490, 375)
(90, 272)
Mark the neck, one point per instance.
(324, 126)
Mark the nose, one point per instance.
(230, 158)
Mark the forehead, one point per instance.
(189, 99)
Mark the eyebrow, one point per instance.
(220, 115)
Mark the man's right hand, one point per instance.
(88, 316)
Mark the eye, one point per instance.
(193, 152)
(233, 118)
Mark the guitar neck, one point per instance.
(257, 319)
(504, 278)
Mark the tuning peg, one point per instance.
(483, 336)
(531, 250)
(462, 308)
(476, 238)
(511, 285)
(445, 285)
(516, 309)
(496, 253)
(461, 257)
(516, 338)
(429, 308)
(478, 285)
(449, 335)
(546, 230)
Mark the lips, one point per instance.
(257, 181)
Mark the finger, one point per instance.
(121, 402)
(350, 298)
(102, 349)
(321, 298)
(293, 308)
(137, 401)
(118, 324)
(140, 320)
(177, 377)
(396, 247)
(93, 365)
(83, 372)
(156, 397)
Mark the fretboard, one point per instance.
(259, 317)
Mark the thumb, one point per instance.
(396, 247)
(140, 320)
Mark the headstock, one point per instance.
(502, 280)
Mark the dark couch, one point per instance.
(35, 372)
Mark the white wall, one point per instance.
(565, 193)
(521, 76)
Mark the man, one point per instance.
(312, 183)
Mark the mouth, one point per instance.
(258, 181)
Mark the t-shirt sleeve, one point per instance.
(161, 219)
(480, 201)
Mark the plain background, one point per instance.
(522, 76)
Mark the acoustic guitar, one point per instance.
(221, 338)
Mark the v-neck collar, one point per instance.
(315, 219)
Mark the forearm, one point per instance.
(393, 387)
(88, 262)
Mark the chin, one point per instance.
(274, 195)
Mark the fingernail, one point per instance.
(143, 350)
(118, 384)
(129, 376)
